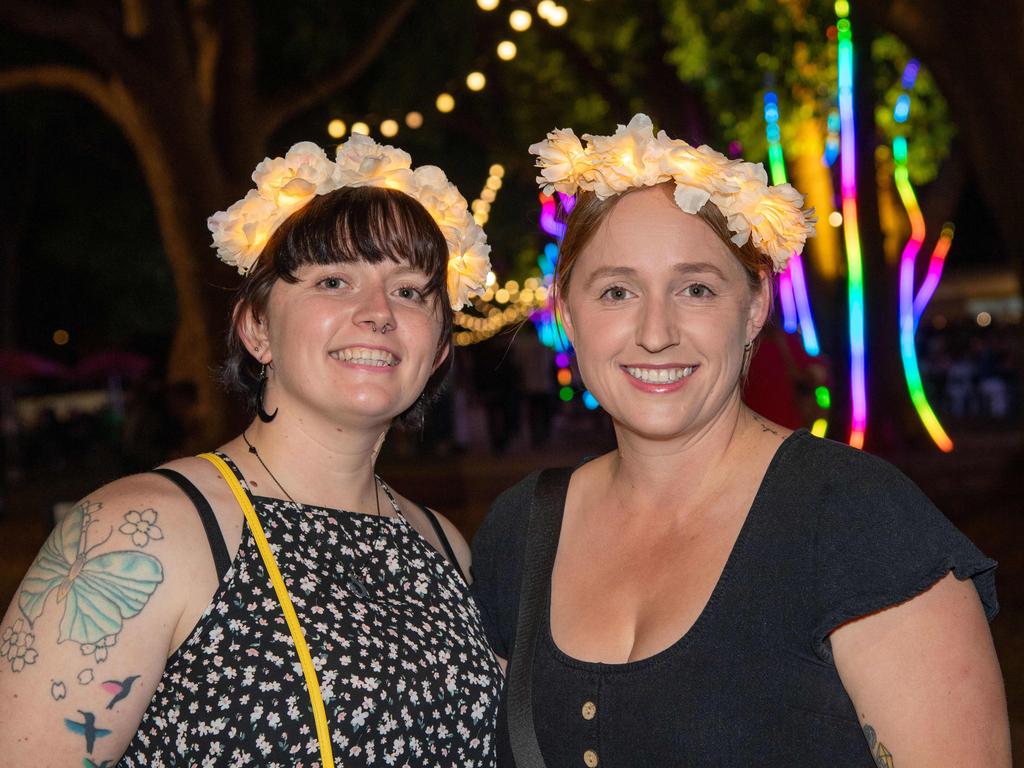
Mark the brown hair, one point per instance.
(589, 211)
(368, 224)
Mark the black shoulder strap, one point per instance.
(449, 552)
(541, 546)
(213, 533)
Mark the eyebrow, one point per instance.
(603, 272)
(699, 267)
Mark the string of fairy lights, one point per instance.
(519, 20)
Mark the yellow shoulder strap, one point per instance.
(301, 649)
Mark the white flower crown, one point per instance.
(286, 184)
(771, 216)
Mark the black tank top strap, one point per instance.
(238, 474)
(218, 547)
(444, 539)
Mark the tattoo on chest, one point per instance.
(765, 426)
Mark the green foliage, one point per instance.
(928, 129)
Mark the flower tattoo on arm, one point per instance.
(141, 527)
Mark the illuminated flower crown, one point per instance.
(770, 216)
(286, 184)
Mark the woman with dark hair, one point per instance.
(719, 590)
(274, 602)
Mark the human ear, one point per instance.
(252, 330)
(442, 355)
(565, 315)
(760, 305)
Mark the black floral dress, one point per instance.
(406, 673)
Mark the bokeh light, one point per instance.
(336, 128)
(445, 102)
(389, 128)
(507, 50)
(520, 20)
(414, 120)
(476, 81)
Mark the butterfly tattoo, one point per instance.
(98, 592)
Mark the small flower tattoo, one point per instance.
(142, 527)
(16, 646)
(99, 649)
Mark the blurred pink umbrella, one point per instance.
(110, 364)
(16, 365)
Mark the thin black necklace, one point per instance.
(252, 449)
(355, 583)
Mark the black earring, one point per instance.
(265, 417)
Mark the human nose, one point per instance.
(657, 329)
(374, 311)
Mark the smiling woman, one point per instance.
(274, 602)
(351, 230)
(718, 591)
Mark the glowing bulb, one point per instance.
(545, 7)
(488, 195)
(493, 182)
(389, 128)
(520, 20)
(61, 337)
(512, 286)
(497, 170)
(842, 8)
(491, 279)
(501, 296)
(984, 319)
(445, 102)
(835, 219)
(414, 120)
(487, 5)
(476, 81)
(558, 16)
(362, 128)
(336, 128)
(481, 206)
(507, 50)
(565, 377)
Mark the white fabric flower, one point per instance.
(467, 272)
(560, 157)
(293, 180)
(240, 232)
(362, 162)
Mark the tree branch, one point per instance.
(303, 97)
(61, 77)
(83, 31)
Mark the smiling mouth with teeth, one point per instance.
(659, 375)
(378, 358)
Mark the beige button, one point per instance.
(589, 710)
(590, 758)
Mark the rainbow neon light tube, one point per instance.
(851, 230)
(908, 308)
(796, 303)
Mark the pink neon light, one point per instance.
(931, 279)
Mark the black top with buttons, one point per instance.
(833, 534)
